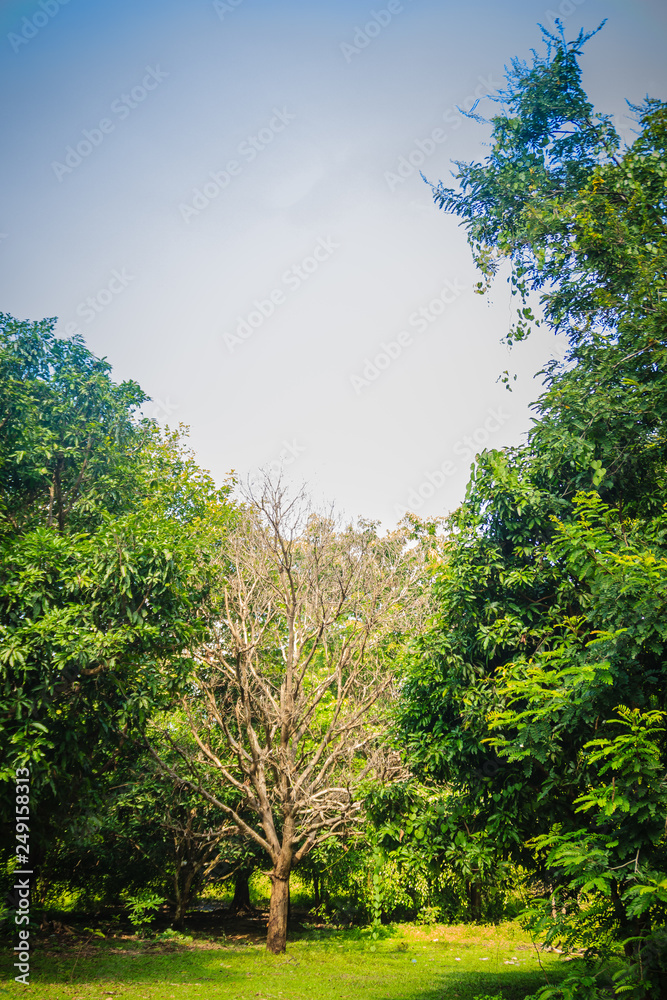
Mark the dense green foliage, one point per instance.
(102, 544)
(163, 839)
(538, 694)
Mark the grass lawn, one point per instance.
(409, 963)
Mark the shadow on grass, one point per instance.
(322, 963)
(469, 985)
(235, 971)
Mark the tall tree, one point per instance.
(545, 659)
(103, 561)
(287, 705)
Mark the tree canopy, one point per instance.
(103, 522)
(538, 693)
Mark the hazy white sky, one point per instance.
(224, 199)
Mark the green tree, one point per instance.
(548, 635)
(144, 834)
(581, 223)
(105, 525)
(577, 219)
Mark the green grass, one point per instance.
(409, 963)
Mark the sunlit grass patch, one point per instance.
(406, 963)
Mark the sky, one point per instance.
(223, 197)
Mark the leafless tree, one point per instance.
(287, 705)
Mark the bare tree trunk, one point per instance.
(276, 939)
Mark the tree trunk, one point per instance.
(629, 928)
(183, 891)
(316, 889)
(476, 901)
(179, 916)
(241, 900)
(276, 938)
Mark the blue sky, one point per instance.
(224, 199)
